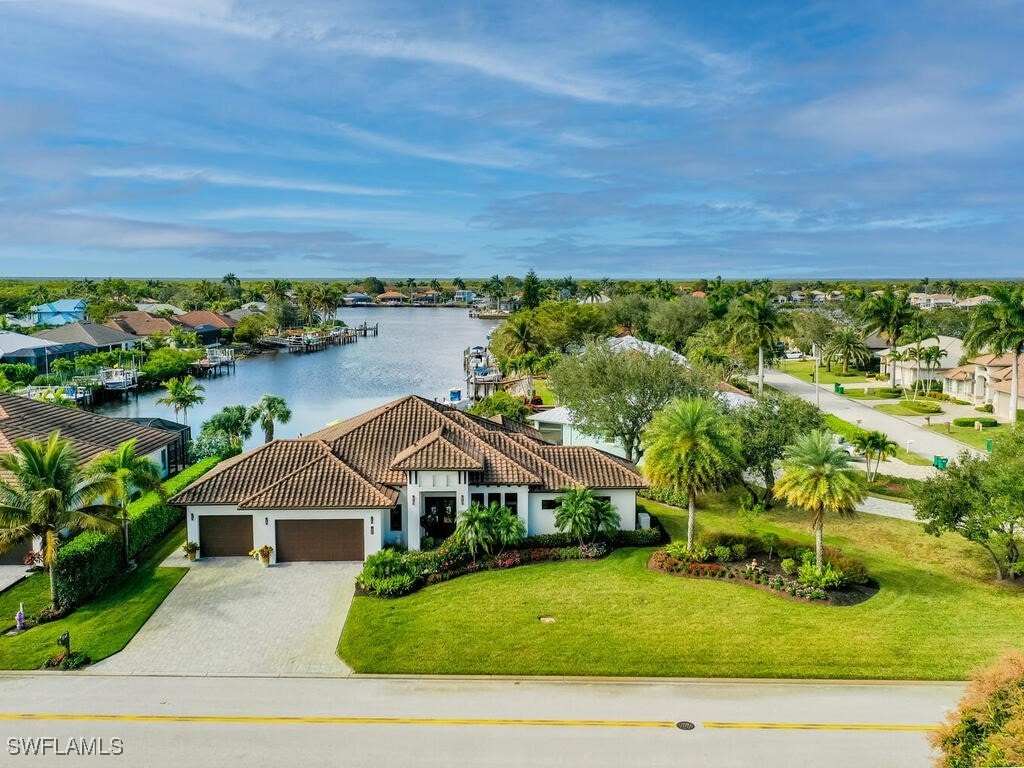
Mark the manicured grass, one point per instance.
(102, 627)
(540, 386)
(869, 393)
(937, 615)
(804, 368)
(848, 430)
(902, 409)
(889, 487)
(968, 435)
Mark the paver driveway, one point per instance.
(10, 574)
(233, 616)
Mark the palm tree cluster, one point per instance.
(483, 528)
(583, 515)
(48, 493)
(875, 446)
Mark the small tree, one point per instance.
(270, 409)
(475, 529)
(182, 394)
(582, 515)
(130, 474)
(501, 403)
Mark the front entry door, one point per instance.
(439, 516)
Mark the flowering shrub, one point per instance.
(33, 559)
(508, 559)
(664, 560)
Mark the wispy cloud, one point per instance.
(159, 173)
(360, 217)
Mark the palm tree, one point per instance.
(816, 478)
(918, 330)
(932, 359)
(276, 290)
(130, 474)
(46, 492)
(233, 284)
(474, 529)
(846, 344)
(410, 283)
(235, 421)
(270, 409)
(182, 394)
(888, 313)
(691, 447)
(495, 287)
(757, 319)
(518, 337)
(998, 327)
(459, 283)
(582, 515)
(306, 297)
(508, 529)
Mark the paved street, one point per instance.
(454, 722)
(925, 442)
(231, 615)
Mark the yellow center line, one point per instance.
(327, 720)
(820, 726)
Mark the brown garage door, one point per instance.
(305, 540)
(16, 554)
(225, 535)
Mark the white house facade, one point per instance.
(393, 475)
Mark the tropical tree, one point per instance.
(235, 421)
(495, 287)
(998, 327)
(45, 492)
(182, 394)
(887, 313)
(276, 291)
(474, 529)
(692, 447)
(233, 284)
(509, 529)
(877, 447)
(932, 358)
(515, 337)
(583, 515)
(757, 320)
(130, 474)
(848, 345)
(816, 478)
(269, 410)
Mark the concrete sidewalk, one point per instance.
(924, 442)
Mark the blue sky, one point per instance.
(315, 138)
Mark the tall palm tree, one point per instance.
(306, 297)
(269, 410)
(182, 394)
(276, 290)
(932, 358)
(45, 493)
(459, 283)
(998, 327)
(691, 447)
(817, 478)
(410, 283)
(758, 320)
(583, 515)
(917, 331)
(846, 344)
(235, 421)
(233, 284)
(888, 314)
(518, 337)
(130, 474)
(495, 287)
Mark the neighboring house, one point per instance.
(238, 314)
(99, 338)
(143, 323)
(391, 476)
(556, 427)
(818, 297)
(633, 344)
(937, 300)
(89, 434)
(201, 317)
(986, 380)
(907, 370)
(155, 307)
(798, 296)
(19, 348)
(974, 301)
(464, 296)
(780, 299)
(356, 299)
(699, 294)
(392, 298)
(60, 312)
(428, 297)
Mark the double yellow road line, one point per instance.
(456, 721)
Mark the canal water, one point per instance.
(419, 351)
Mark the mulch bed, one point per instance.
(852, 594)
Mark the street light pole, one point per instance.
(817, 389)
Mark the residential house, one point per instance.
(99, 338)
(974, 301)
(939, 300)
(910, 371)
(986, 380)
(392, 298)
(89, 434)
(159, 308)
(391, 476)
(818, 297)
(142, 323)
(210, 327)
(60, 312)
(19, 348)
(464, 296)
(798, 296)
(356, 299)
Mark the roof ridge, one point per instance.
(375, 487)
(287, 476)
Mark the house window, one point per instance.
(549, 504)
(512, 502)
(396, 518)
(493, 498)
(476, 498)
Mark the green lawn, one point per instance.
(937, 616)
(804, 368)
(848, 430)
(540, 386)
(900, 409)
(968, 435)
(870, 393)
(102, 627)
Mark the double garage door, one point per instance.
(297, 540)
(16, 554)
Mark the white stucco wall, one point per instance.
(543, 520)
(159, 457)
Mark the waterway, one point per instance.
(419, 351)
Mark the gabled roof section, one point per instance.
(437, 452)
(89, 433)
(594, 468)
(88, 333)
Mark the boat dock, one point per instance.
(312, 341)
(216, 362)
(483, 377)
(366, 330)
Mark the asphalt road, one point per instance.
(229, 721)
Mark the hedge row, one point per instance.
(90, 560)
(985, 421)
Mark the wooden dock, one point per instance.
(366, 329)
(311, 341)
(216, 362)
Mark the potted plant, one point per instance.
(190, 548)
(262, 554)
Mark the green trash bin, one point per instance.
(988, 444)
(837, 388)
(941, 462)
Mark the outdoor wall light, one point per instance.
(462, 499)
(266, 521)
(371, 522)
(193, 515)
(413, 499)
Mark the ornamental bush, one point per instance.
(921, 406)
(968, 421)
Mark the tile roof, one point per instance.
(206, 317)
(1002, 360)
(87, 333)
(89, 433)
(360, 462)
(961, 373)
(142, 323)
